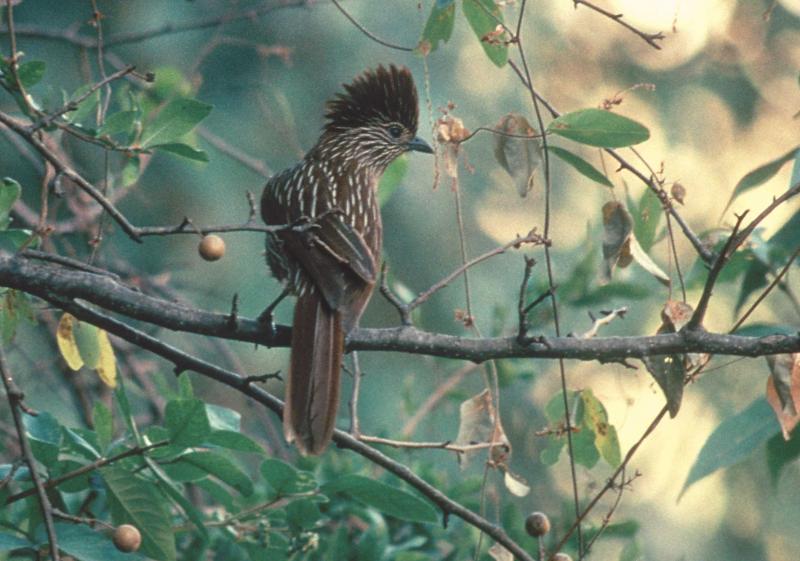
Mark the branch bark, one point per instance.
(46, 279)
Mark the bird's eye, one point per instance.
(395, 131)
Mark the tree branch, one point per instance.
(15, 397)
(45, 279)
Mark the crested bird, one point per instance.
(332, 264)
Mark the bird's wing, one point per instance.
(346, 245)
(331, 252)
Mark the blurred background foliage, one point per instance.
(720, 98)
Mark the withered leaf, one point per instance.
(520, 157)
(617, 231)
(783, 390)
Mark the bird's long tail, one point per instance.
(312, 389)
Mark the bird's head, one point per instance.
(374, 119)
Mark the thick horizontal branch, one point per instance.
(45, 279)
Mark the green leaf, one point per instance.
(80, 444)
(765, 329)
(103, 424)
(187, 422)
(234, 441)
(755, 278)
(616, 289)
(733, 440)
(302, 514)
(596, 418)
(483, 17)
(125, 408)
(131, 171)
(222, 418)
(218, 466)
(781, 453)
(389, 500)
(285, 479)
(85, 107)
(44, 434)
(391, 179)
(646, 219)
(597, 127)
(584, 447)
(10, 191)
(10, 542)
(582, 166)
(176, 493)
(13, 239)
(135, 501)
(174, 121)
(787, 238)
(182, 150)
(669, 371)
(439, 26)
(85, 544)
(74, 484)
(122, 121)
(31, 73)
(552, 450)
(186, 391)
(761, 175)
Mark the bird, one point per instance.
(329, 254)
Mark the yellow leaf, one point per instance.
(65, 337)
(107, 364)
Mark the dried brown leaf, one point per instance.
(520, 157)
(617, 231)
(783, 390)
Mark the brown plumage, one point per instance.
(332, 267)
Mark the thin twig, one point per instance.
(250, 162)
(97, 464)
(531, 237)
(72, 105)
(15, 397)
(445, 445)
(610, 483)
(724, 255)
(736, 239)
(439, 393)
(766, 291)
(355, 426)
(528, 79)
(649, 38)
(522, 311)
(392, 298)
(102, 107)
(63, 168)
(607, 318)
(14, 59)
(368, 33)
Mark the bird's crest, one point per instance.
(376, 96)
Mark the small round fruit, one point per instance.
(211, 247)
(127, 538)
(537, 524)
(561, 557)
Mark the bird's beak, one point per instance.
(419, 145)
